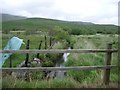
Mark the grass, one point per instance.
(52, 83)
(56, 83)
(86, 42)
(74, 79)
(34, 44)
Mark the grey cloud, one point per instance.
(49, 9)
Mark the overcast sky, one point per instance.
(96, 11)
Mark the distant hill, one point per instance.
(45, 24)
(8, 17)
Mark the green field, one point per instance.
(73, 79)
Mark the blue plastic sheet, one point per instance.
(13, 44)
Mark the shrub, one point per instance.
(47, 63)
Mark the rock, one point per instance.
(37, 60)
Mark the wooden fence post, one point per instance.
(10, 64)
(10, 61)
(10, 55)
(27, 55)
(50, 41)
(39, 48)
(106, 76)
(27, 75)
(45, 42)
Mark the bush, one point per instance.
(47, 63)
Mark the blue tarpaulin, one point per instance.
(13, 44)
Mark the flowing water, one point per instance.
(60, 63)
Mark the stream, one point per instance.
(60, 63)
(60, 74)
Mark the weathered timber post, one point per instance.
(10, 64)
(45, 42)
(50, 41)
(10, 61)
(27, 75)
(45, 45)
(106, 76)
(27, 55)
(39, 48)
(10, 56)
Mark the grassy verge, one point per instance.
(92, 59)
(68, 82)
(75, 79)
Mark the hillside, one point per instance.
(8, 17)
(43, 24)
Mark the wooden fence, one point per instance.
(106, 67)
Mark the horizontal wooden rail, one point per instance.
(59, 51)
(58, 68)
